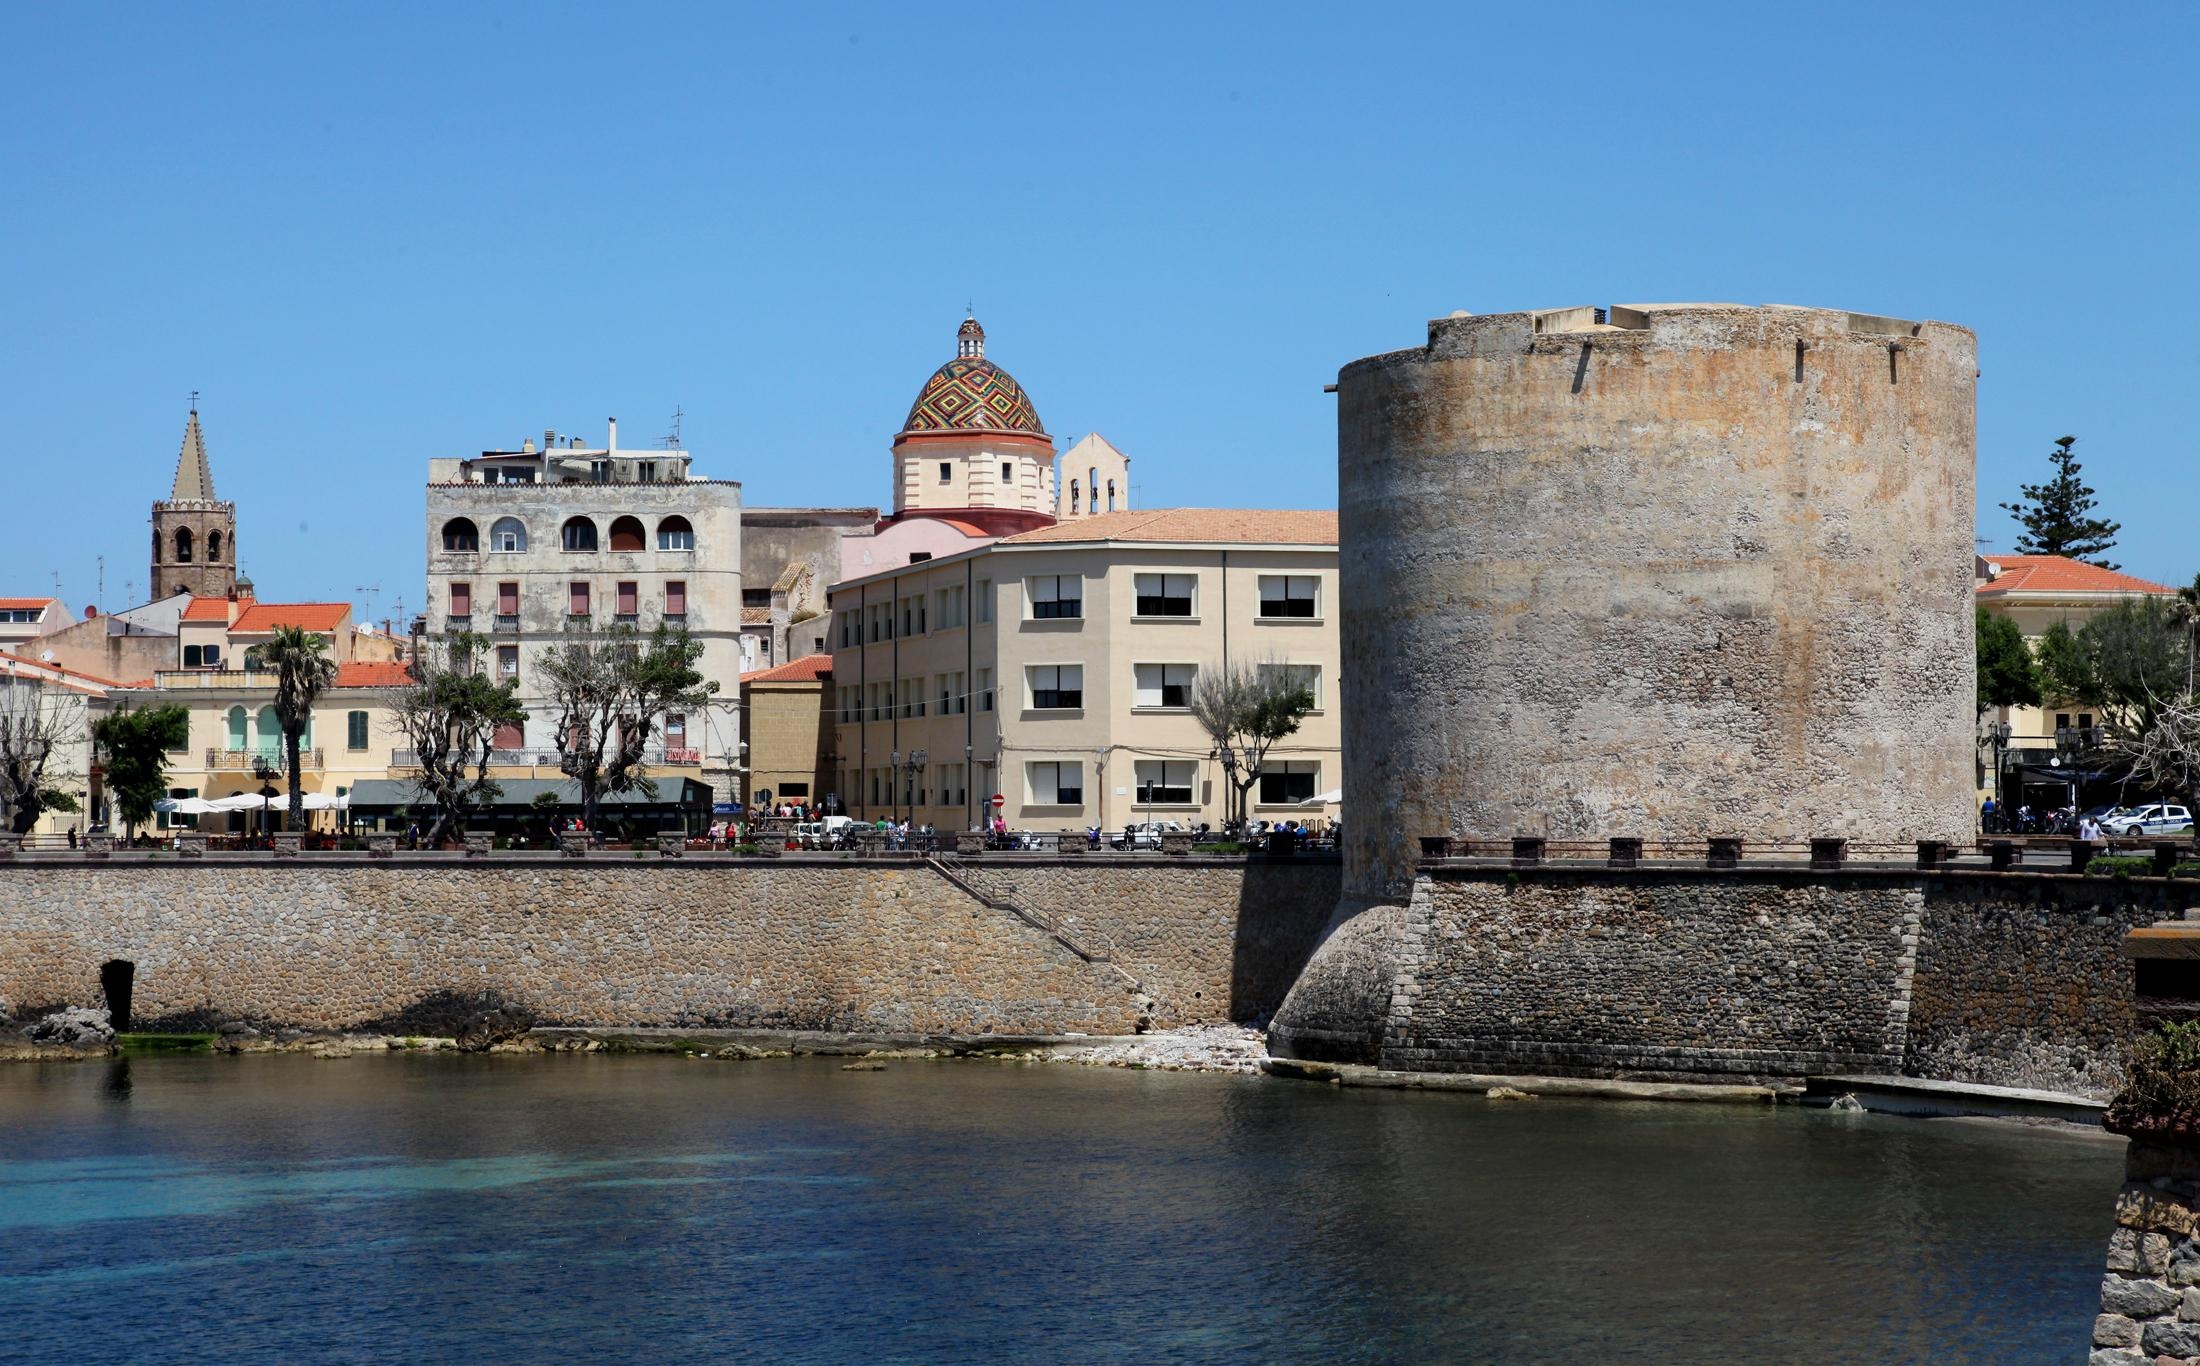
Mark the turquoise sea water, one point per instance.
(431, 1207)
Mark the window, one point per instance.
(236, 729)
(1164, 595)
(912, 697)
(507, 536)
(1165, 782)
(1163, 685)
(985, 601)
(795, 790)
(947, 472)
(508, 662)
(1290, 595)
(193, 655)
(183, 545)
(985, 690)
(355, 730)
(626, 534)
(462, 599)
(459, 536)
(912, 615)
(1057, 597)
(948, 609)
(676, 730)
(630, 595)
(1056, 686)
(952, 700)
(1287, 781)
(1008, 473)
(1111, 495)
(646, 472)
(1073, 498)
(508, 737)
(1056, 784)
(508, 600)
(674, 533)
(676, 599)
(599, 471)
(213, 547)
(577, 599)
(1307, 676)
(580, 535)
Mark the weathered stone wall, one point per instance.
(2150, 1298)
(1703, 570)
(2012, 979)
(402, 945)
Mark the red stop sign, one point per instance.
(999, 801)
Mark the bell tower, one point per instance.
(194, 534)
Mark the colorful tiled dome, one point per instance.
(972, 394)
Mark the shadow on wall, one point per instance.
(1283, 907)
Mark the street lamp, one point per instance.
(1229, 779)
(910, 768)
(1997, 737)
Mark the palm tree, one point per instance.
(2187, 608)
(302, 671)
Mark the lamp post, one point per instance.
(910, 768)
(1997, 738)
(1229, 784)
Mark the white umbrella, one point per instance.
(190, 806)
(1332, 797)
(322, 801)
(243, 801)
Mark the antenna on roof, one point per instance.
(102, 579)
(367, 592)
(672, 441)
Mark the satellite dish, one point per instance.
(45, 656)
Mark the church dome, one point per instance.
(972, 394)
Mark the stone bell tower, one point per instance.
(194, 534)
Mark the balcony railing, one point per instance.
(457, 624)
(253, 758)
(507, 621)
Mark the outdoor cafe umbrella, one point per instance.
(1332, 797)
(186, 806)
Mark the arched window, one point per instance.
(183, 545)
(508, 535)
(580, 534)
(1073, 498)
(270, 732)
(1111, 495)
(626, 533)
(213, 547)
(236, 729)
(460, 537)
(157, 548)
(674, 533)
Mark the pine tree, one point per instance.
(2056, 515)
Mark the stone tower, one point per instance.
(194, 534)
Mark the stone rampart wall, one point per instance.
(2013, 979)
(406, 945)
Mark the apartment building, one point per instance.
(533, 547)
(1052, 669)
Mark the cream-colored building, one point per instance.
(61, 706)
(1052, 668)
(790, 737)
(535, 547)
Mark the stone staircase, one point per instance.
(996, 888)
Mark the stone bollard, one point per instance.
(98, 846)
(1176, 841)
(672, 846)
(1724, 851)
(2081, 854)
(9, 843)
(1527, 850)
(190, 846)
(1828, 853)
(286, 843)
(2166, 854)
(381, 846)
(2001, 855)
(1435, 846)
(1932, 853)
(478, 846)
(573, 843)
(969, 842)
(1626, 852)
(1071, 842)
(870, 843)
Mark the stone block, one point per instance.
(478, 846)
(2081, 854)
(2154, 1251)
(381, 846)
(1435, 846)
(1626, 852)
(1828, 852)
(2144, 1207)
(2166, 854)
(2123, 1249)
(1932, 853)
(1071, 842)
(2184, 1263)
(9, 843)
(2137, 1298)
(2114, 1330)
(573, 843)
(190, 846)
(672, 846)
(287, 843)
(2001, 854)
(98, 846)
(970, 841)
(1527, 851)
(1722, 851)
(2116, 1356)
(1176, 841)
(2171, 1338)
(2188, 1308)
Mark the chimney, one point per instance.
(611, 442)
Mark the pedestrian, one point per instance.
(72, 837)
(1986, 815)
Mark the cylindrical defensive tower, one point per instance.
(1671, 571)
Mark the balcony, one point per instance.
(579, 621)
(213, 678)
(233, 760)
(456, 625)
(626, 619)
(676, 618)
(507, 621)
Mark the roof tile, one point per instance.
(1237, 526)
(2059, 574)
(313, 616)
(373, 673)
(808, 669)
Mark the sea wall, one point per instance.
(407, 944)
(2011, 978)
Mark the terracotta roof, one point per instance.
(1237, 526)
(207, 609)
(373, 673)
(24, 604)
(808, 669)
(9, 662)
(756, 616)
(313, 616)
(2059, 574)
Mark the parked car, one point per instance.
(827, 832)
(2151, 820)
(1147, 836)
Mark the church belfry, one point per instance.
(194, 534)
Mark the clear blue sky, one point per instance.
(373, 234)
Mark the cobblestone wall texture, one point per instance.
(1705, 568)
(834, 946)
(2007, 979)
(2150, 1296)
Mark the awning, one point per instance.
(1332, 797)
(186, 806)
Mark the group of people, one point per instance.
(1998, 818)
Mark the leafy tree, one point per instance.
(1245, 708)
(2007, 674)
(607, 695)
(137, 744)
(2126, 663)
(303, 671)
(2057, 515)
(449, 715)
(36, 721)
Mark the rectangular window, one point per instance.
(798, 791)
(192, 656)
(947, 472)
(508, 661)
(646, 471)
(507, 599)
(985, 601)
(1008, 473)
(462, 599)
(985, 690)
(577, 599)
(629, 598)
(1290, 595)
(1056, 783)
(213, 660)
(1165, 782)
(1057, 686)
(1287, 781)
(676, 598)
(1162, 685)
(947, 608)
(912, 697)
(2062, 720)
(1165, 595)
(1057, 596)
(355, 730)
(1307, 676)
